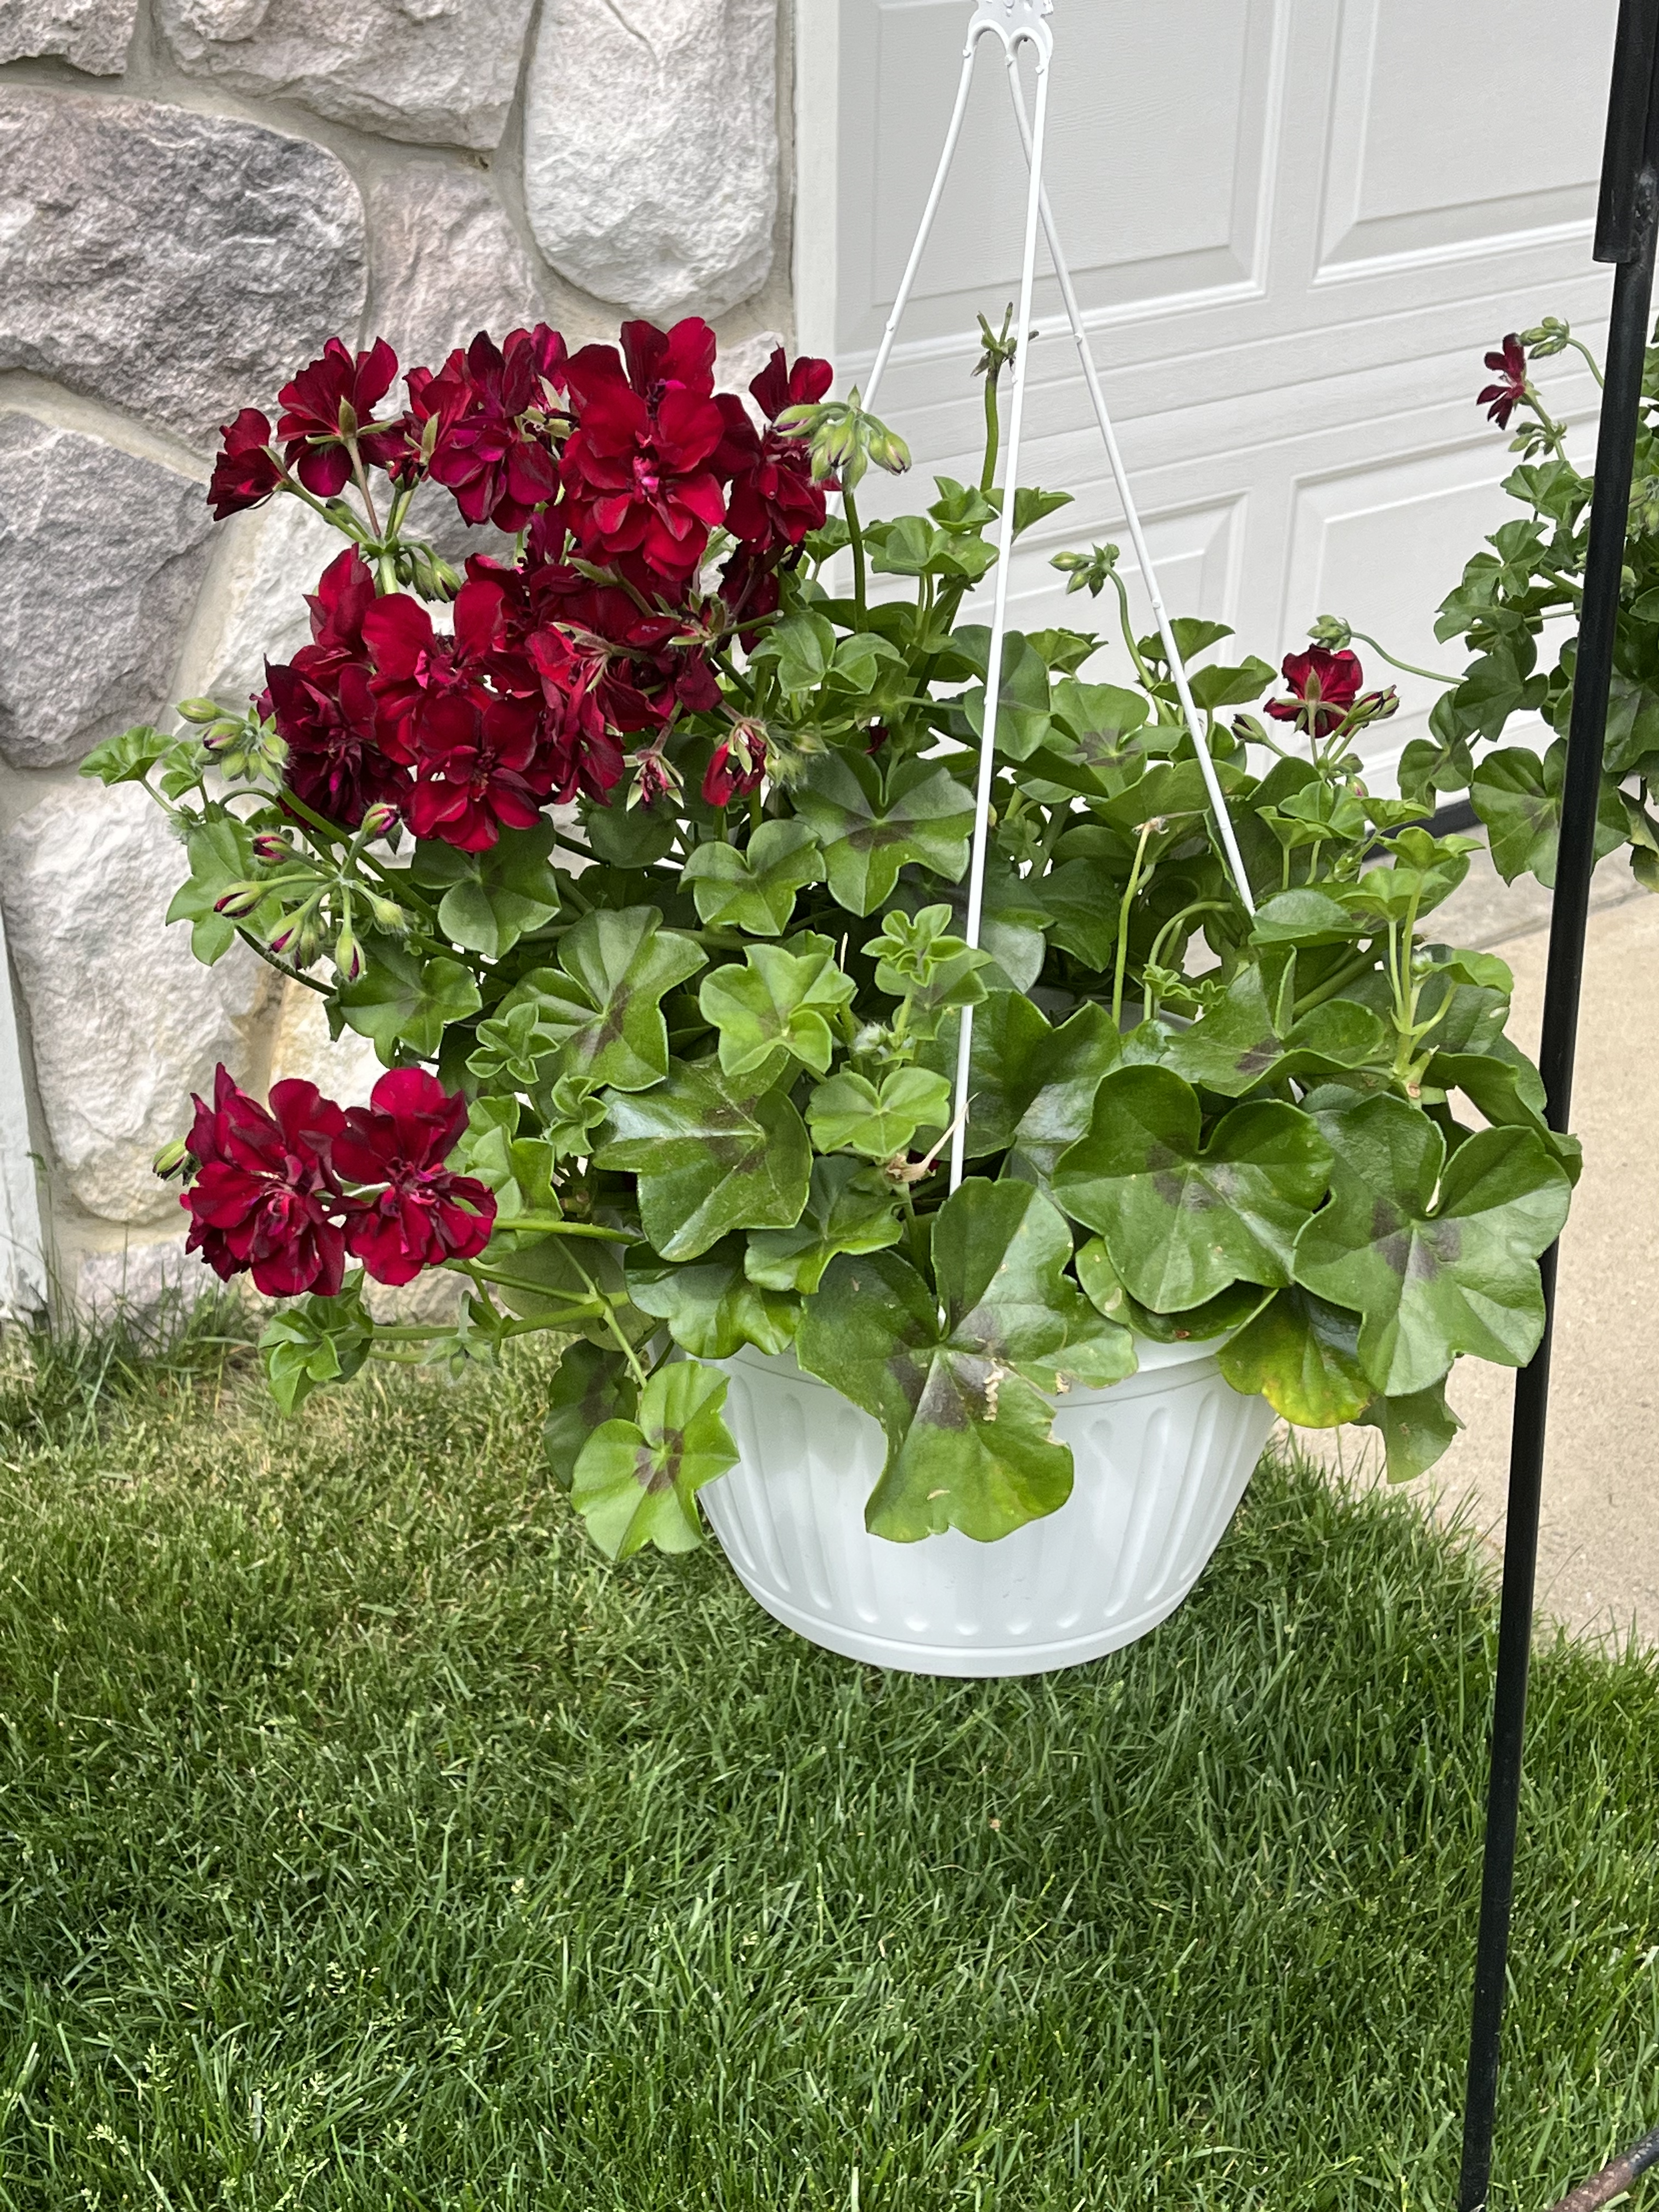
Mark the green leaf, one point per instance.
(1023, 702)
(602, 1005)
(636, 1482)
(850, 1208)
(130, 758)
(220, 848)
(1415, 1430)
(1183, 1218)
(925, 817)
(1236, 1046)
(1217, 686)
(1306, 916)
(801, 648)
(1032, 1085)
(780, 1004)
(949, 1377)
(315, 1340)
(711, 1307)
(1082, 898)
(404, 1003)
(753, 887)
(708, 1162)
(490, 900)
(1300, 1353)
(1503, 1083)
(628, 837)
(848, 1114)
(591, 1387)
(1518, 797)
(1439, 1256)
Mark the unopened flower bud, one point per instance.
(385, 912)
(1550, 336)
(272, 847)
(199, 710)
(381, 818)
(1331, 631)
(223, 734)
(348, 956)
(172, 1157)
(239, 899)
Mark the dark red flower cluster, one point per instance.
(616, 468)
(1324, 686)
(1501, 400)
(270, 1194)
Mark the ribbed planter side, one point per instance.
(1161, 1459)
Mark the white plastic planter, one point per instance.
(1161, 1459)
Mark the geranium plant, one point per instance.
(638, 851)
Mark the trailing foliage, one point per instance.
(702, 1023)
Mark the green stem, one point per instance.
(1595, 366)
(1362, 963)
(1129, 628)
(987, 475)
(1124, 906)
(282, 967)
(855, 537)
(554, 1225)
(1407, 667)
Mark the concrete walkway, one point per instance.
(1598, 1547)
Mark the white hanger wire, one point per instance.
(1016, 23)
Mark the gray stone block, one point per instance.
(446, 264)
(436, 72)
(651, 150)
(176, 266)
(101, 555)
(90, 34)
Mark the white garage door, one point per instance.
(1295, 226)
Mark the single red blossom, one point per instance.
(330, 402)
(425, 1214)
(477, 770)
(778, 386)
(339, 762)
(578, 747)
(343, 596)
(1510, 389)
(416, 665)
(1324, 686)
(639, 470)
(246, 471)
(736, 767)
(264, 1199)
(498, 423)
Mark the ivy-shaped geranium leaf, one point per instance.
(1415, 1430)
(711, 1307)
(753, 887)
(849, 1114)
(1082, 898)
(591, 1387)
(316, 1340)
(220, 848)
(850, 1208)
(1438, 1256)
(1217, 1316)
(1300, 1354)
(1518, 797)
(628, 837)
(490, 900)
(601, 1006)
(553, 1278)
(1307, 915)
(131, 756)
(1182, 1217)
(708, 1161)
(778, 1005)
(636, 1482)
(518, 1169)
(968, 1443)
(1238, 1044)
(1503, 1083)
(925, 815)
(1033, 1086)
(404, 1003)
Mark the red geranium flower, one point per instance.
(1510, 389)
(424, 1215)
(638, 471)
(1323, 686)
(416, 665)
(476, 772)
(738, 765)
(339, 762)
(330, 401)
(246, 471)
(493, 444)
(265, 1198)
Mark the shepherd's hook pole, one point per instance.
(1625, 235)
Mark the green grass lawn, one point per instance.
(365, 1842)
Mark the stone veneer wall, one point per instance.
(193, 195)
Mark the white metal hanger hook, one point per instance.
(1013, 21)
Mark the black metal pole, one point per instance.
(1625, 235)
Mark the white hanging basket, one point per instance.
(1161, 1459)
